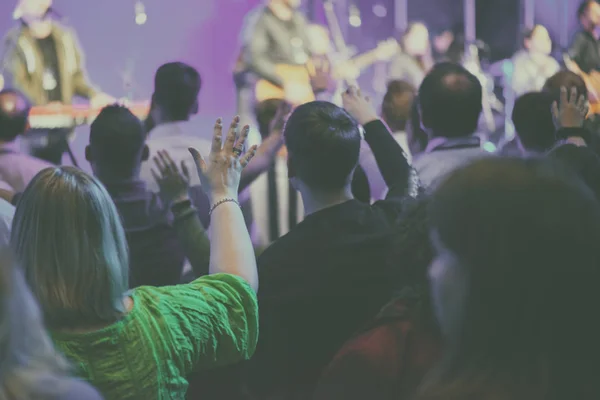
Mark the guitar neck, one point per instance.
(365, 60)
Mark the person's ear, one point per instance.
(88, 153)
(145, 153)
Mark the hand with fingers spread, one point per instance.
(358, 106)
(173, 182)
(220, 174)
(571, 111)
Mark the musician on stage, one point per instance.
(584, 53)
(275, 33)
(45, 63)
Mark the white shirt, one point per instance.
(18, 169)
(259, 192)
(367, 161)
(176, 138)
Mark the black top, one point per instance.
(585, 51)
(269, 41)
(51, 74)
(325, 279)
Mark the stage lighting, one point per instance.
(140, 13)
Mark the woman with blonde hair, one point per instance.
(140, 344)
(30, 368)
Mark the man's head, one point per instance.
(176, 89)
(589, 14)
(566, 79)
(117, 143)
(532, 117)
(537, 40)
(32, 9)
(450, 100)
(14, 112)
(397, 104)
(323, 143)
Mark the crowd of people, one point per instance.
(411, 262)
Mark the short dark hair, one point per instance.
(14, 113)
(264, 112)
(397, 104)
(583, 7)
(176, 89)
(533, 121)
(117, 137)
(323, 143)
(451, 100)
(566, 79)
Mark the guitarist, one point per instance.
(275, 34)
(585, 49)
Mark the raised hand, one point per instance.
(173, 184)
(358, 106)
(571, 111)
(220, 175)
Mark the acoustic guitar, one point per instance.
(592, 81)
(299, 76)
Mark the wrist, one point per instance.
(183, 197)
(220, 195)
(368, 119)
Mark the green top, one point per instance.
(170, 332)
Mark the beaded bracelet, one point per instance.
(223, 201)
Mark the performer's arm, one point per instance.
(578, 49)
(16, 74)
(257, 54)
(81, 83)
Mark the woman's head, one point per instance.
(69, 240)
(518, 265)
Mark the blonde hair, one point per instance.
(68, 238)
(30, 368)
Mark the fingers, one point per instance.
(239, 145)
(555, 112)
(582, 104)
(563, 95)
(245, 160)
(184, 170)
(161, 164)
(155, 176)
(217, 137)
(231, 135)
(168, 161)
(198, 160)
(573, 98)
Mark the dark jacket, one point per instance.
(268, 41)
(25, 65)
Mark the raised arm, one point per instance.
(174, 190)
(390, 158)
(231, 249)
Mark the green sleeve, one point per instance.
(212, 321)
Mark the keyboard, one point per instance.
(70, 116)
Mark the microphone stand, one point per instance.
(341, 46)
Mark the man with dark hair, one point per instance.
(395, 111)
(584, 50)
(533, 65)
(327, 277)
(16, 169)
(116, 152)
(533, 121)
(169, 126)
(450, 100)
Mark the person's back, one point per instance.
(327, 277)
(174, 103)
(115, 152)
(16, 169)
(450, 100)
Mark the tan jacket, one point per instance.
(25, 65)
